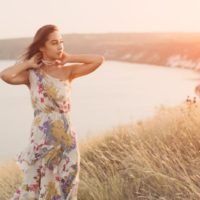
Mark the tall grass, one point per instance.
(158, 158)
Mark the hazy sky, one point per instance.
(19, 18)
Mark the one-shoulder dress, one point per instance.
(51, 160)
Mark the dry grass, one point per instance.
(154, 159)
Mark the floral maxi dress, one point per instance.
(51, 161)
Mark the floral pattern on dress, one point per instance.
(51, 160)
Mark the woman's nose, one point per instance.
(60, 47)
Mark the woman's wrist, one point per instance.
(26, 65)
(65, 58)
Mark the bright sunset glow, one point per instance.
(22, 18)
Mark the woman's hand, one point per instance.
(64, 58)
(35, 61)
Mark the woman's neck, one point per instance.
(49, 62)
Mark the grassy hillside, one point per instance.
(154, 159)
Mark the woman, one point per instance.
(51, 160)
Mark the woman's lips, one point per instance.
(60, 53)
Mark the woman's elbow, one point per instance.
(3, 76)
(100, 60)
(5, 79)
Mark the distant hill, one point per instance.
(169, 49)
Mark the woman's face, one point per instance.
(53, 47)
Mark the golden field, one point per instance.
(153, 159)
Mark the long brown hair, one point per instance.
(39, 40)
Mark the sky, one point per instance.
(22, 18)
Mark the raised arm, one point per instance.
(90, 62)
(18, 73)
